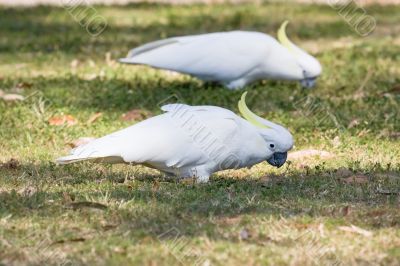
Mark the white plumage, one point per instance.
(233, 58)
(191, 141)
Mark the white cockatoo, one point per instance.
(192, 141)
(233, 58)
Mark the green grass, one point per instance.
(252, 216)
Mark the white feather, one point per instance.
(186, 140)
(233, 58)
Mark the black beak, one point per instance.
(308, 82)
(278, 159)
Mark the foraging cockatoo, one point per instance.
(233, 58)
(192, 141)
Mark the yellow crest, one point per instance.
(284, 40)
(247, 114)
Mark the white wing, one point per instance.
(163, 141)
(222, 56)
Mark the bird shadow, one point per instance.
(123, 94)
(36, 33)
(183, 206)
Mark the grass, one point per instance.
(294, 215)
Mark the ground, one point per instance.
(338, 207)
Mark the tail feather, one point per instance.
(70, 159)
(73, 159)
(130, 59)
(99, 150)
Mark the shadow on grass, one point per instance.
(151, 205)
(300, 108)
(31, 30)
(114, 94)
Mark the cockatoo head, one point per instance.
(309, 66)
(277, 138)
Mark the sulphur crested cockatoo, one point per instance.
(233, 58)
(192, 141)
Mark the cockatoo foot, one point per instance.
(236, 84)
(202, 179)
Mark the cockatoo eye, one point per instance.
(272, 145)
